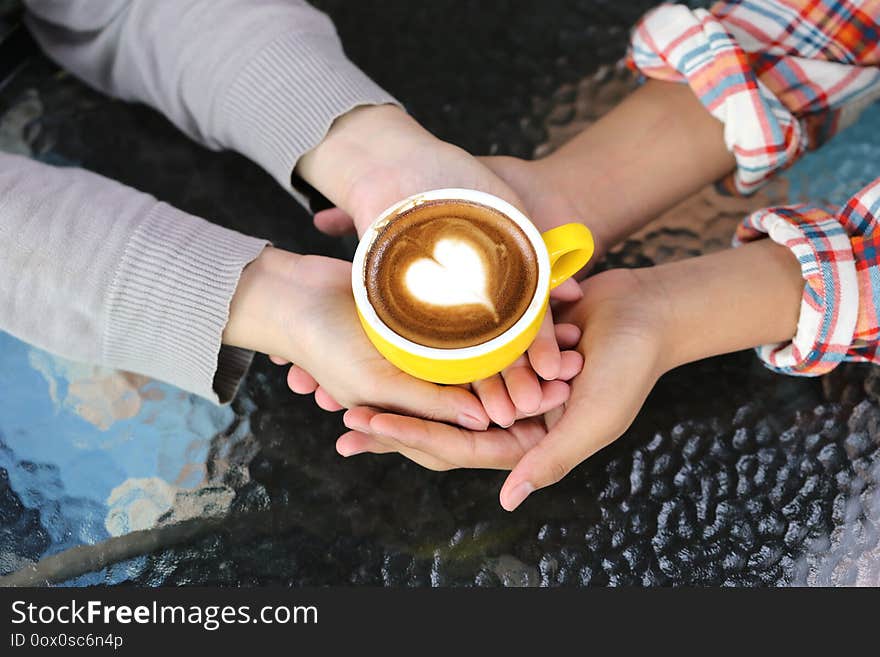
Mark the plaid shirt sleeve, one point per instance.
(839, 254)
(784, 76)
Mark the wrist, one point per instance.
(360, 149)
(547, 202)
(584, 185)
(256, 318)
(656, 297)
(635, 305)
(653, 150)
(725, 301)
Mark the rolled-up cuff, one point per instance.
(169, 301)
(859, 218)
(830, 305)
(676, 43)
(284, 101)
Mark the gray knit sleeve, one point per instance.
(95, 271)
(263, 77)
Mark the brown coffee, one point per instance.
(450, 274)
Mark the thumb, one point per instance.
(335, 222)
(568, 291)
(451, 404)
(591, 420)
(618, 373)
(549, 461)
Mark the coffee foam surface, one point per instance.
(455, 274)
(450, 274)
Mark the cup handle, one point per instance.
(570, 247)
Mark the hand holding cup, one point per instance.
(452, 285)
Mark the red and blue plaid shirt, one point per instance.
(784, 76)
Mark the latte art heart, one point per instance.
(450, 274)
(454, 275)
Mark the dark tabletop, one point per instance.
(729, 475)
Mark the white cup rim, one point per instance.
(452, 194)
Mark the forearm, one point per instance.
(725, 301)
(264, 78)
(97, 272)
(654, 149)
(259, 310)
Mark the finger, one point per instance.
(567, 292)
(300, 381)
(553, 395)
(357, 442)
(452, 404)
(599, 410)
(523, 386)
(572, 364)
(279, 360)
(358, 418)
(325, 401)
(547, 463)
(492, 392)
(544, 352)
(495, 448)
(567, 335)
(334, 222)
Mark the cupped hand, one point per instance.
(544, 200)
(374, 157)
(623, 346)
(503, 396)
(517, 390)
(301, 309)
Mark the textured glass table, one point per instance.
(730, 475)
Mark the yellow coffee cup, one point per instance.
(560, 252)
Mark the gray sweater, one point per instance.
(99, 272)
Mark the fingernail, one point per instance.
(356, 426)
(517, 495)
(349, 452)
(472, 423)
(552, 373)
